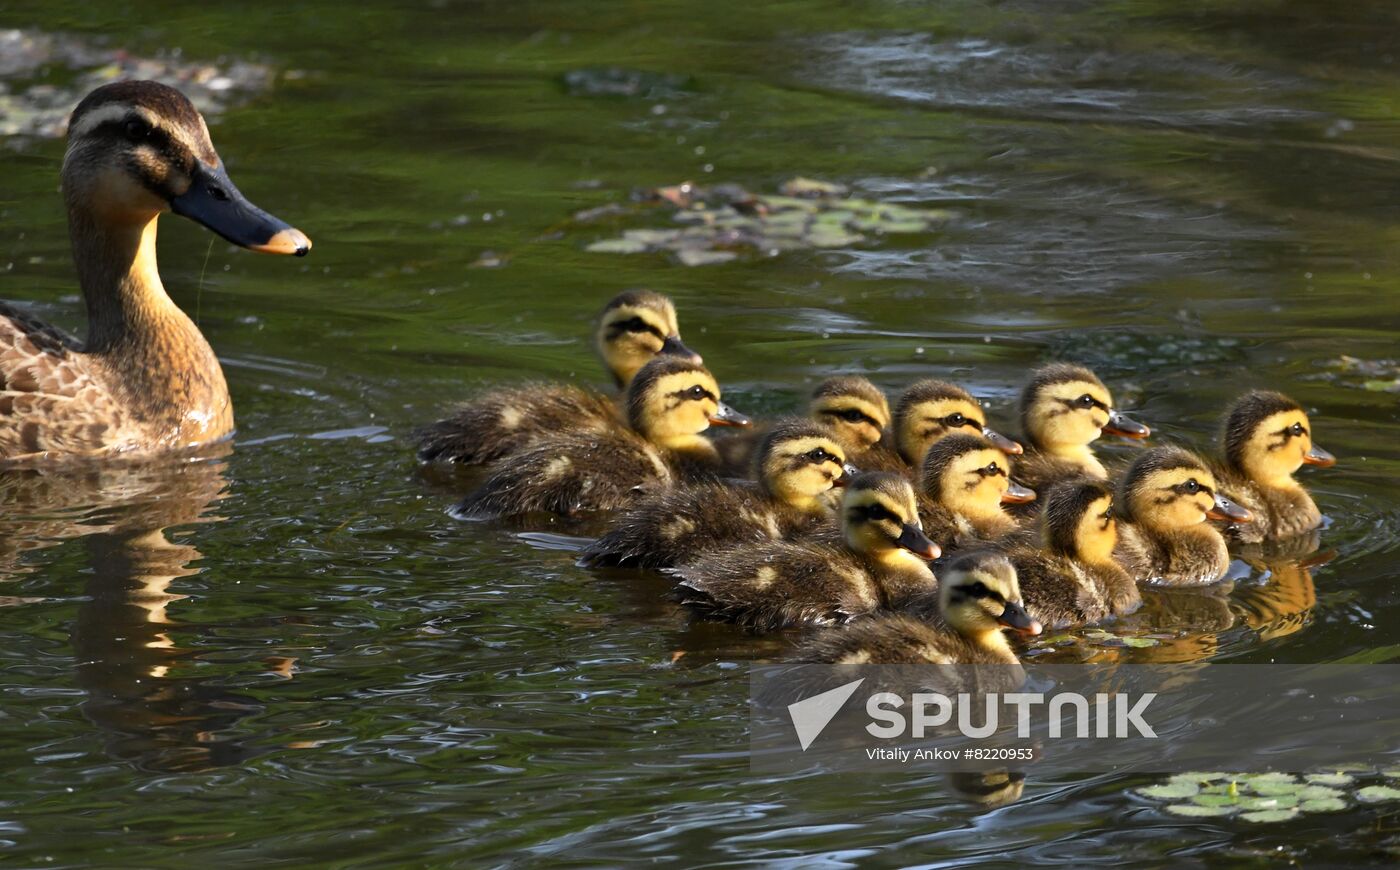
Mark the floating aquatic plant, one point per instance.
(34, 106)
(717, 224)
(1265, 798)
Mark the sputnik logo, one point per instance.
(810, 716)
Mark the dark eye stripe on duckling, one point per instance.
(873, 513)
(991, 469)
(952, 421)
(691, 394)
(850, 415)
(976, 591)
(633, 325)
(1084, 402)
(1297, 430)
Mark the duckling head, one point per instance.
(1168, 489)
(930, 410)
(635, 326)
(799, 462)
(1066, 407)
(880, 518)
(979, 595)
(1078, 522)
(138, 148)
(854, 408)
(672, 400)
(970, 477)
(1268, 437)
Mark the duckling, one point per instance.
(880, 561)
(927, 411)
(978, 596)
(634, 327)
(1162, 504)
(1064, 409)
(1267, 437)
(145, 380)
(964, 484)
(1075, 579)
(798, 464)
(670, 402)
(856, 411)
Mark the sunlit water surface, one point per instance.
(289, 651)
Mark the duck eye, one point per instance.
(695, 392)
(1086, 401)
(818, 455)
(955, 420)
(1297, 429)
(137, 129)
(993, 469)
(851, 415)
(1193, 486)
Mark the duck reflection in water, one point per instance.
(140, 690)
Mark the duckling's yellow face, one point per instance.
(858, 422)
(799, 470)
(926, 422)
(138, 148)
(984, 597)
(879, 516)
(1174, 498)
(629, 335)
(678, 405)
(976, 483)
(1069, 413)
(1096, 533)
(1278, 446)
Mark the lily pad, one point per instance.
(1323, 805)
(1375, 794)
(1197, 811)
(618, 246)
(1330, 778)
(1319, 792)
(1269, 816)
(1169, 791)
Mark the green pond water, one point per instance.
(290, 653)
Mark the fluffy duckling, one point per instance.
(1064, 409)
(1074, 579)
(797, 466)
(978, 597)
(926, 412)
(965, 482)
(1267, 437)
(881, 561)
(670, 402)
(635, 326)
(855, 410)
(1162, 503)
(145, 380)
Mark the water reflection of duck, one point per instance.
(1163, 502)
(880, 562)
(1267, 437)
(145, 379)
(154, 712)
(670, 403)
(635, 326)
(1064, 410)
(978, 597)
(797, 466)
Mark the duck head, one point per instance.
(854, 408)
(930, 410)
(672, 400)
(1168, 489)
(971, 478)
(980, 596)
(879, 517)
(1065, 408)
(1268, 437)
(635, 326)
(1077, 520)
(799, 462)
(138, 148)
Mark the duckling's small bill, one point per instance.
(1122, 425)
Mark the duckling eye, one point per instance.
(1192, 486)
(1297, 429)
(955, 420)
(992, 470)
(696, 392)
(137, 129)
(851, 415)
(1086, 401)
(818, 455)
